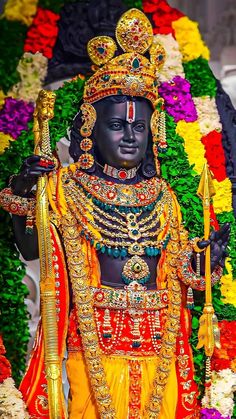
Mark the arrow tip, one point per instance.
(206, 188)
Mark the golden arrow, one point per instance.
(208, 320)
(42, 114)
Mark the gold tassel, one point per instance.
(107, 329)
(190, 299)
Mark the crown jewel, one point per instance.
(130, 73)
(134, 32)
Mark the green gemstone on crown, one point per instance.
(135, 63)
(101, 50)
(106, 77)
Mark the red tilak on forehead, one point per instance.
(130, 111)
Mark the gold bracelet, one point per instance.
(18, 205)
(15, 204)
(195, 247)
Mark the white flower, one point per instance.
(222, 388)
(208, 116)
(33, 70)
(11, 404)
(173, 63)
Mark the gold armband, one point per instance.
(191, 278)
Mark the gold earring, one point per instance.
(89, 117)
(158, 129)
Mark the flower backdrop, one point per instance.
(29, 31)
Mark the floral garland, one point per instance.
(178, 100)
(15, 116)
(32, 69)
(11, 50)
(11, 403)
(162, 15)
(42, 35)
(21, 10)
(188, 88)
(222, 388)
(201, 135)
(189, 39)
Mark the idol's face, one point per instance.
(120, 142)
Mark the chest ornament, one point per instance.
(121, 221)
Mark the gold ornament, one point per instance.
(158, 129)
(134, 32)
(135, 269)
(101, 49)
(157, 55)
(130, 73)
(86, 144)
(86, 161)
(89, 116)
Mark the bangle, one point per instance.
(15, 204)
(187, 274)
(195, 247)
(19, 206)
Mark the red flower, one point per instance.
(224, 357)
(42, 35)
(214, 154)
(5, 368)
(214, 221)
(218, 364)
(162, 14)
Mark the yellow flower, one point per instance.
(233, 365)
(21, 11)
(5, 140)
(2, 98)
(189, 39)
(228, 285)
(222, 201)
(190, 132)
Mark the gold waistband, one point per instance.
(126, 299)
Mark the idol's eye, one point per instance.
(115, 126)
(140, 127)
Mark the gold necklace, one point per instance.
(143, 193)
(123, 228)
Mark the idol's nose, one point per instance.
(128, 133)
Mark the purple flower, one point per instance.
(14, 116)
(212, 413)
(178, 99)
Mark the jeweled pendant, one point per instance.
(135, 269)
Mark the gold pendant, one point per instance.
(135, 269)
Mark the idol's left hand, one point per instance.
(218, 241)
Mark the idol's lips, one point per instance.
(128, 150)
(127, 147)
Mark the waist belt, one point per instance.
(126, 299)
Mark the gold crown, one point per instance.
(130, 73)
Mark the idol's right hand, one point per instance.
(33, 167)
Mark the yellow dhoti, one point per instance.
(118, 372)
